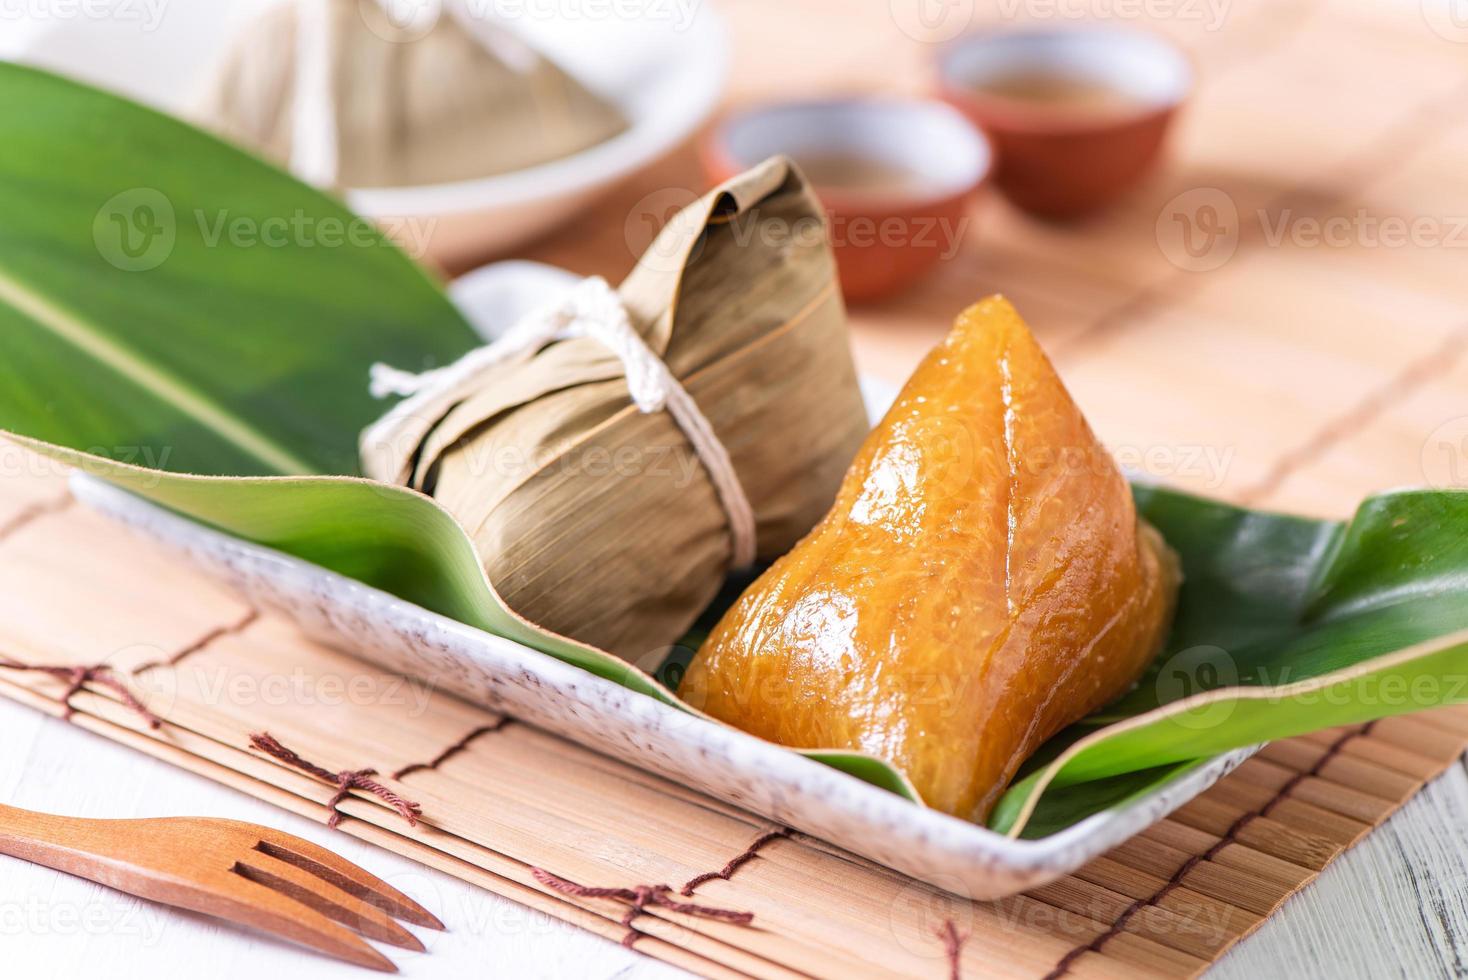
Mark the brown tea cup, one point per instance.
(896, 177)
(1077, 116)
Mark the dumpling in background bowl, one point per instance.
(661, 68)
(345, 95)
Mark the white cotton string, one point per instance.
(591, 309)
(516, 54)
(314, 136)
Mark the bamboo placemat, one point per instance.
(1312, 374)
(531, 816)
(1279, 368)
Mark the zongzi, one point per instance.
(598, 516)
(982, 581)
(347, 96)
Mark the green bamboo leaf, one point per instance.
(167, 298)
(1284, 626)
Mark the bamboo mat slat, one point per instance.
(500, 799)
(1289, 376)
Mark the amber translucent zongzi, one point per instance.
(598, 521)
(408, 106)
(981, 582)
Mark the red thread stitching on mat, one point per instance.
(79, 677)
(737, 862)
(1094, 946)
(451, 751)
(1438, 362)
(346, 780)
(31, 513)
(953, 942)
(208, 638)
(640, 897)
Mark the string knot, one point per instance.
(78, 677)
(640, 897)
(386, 381)
(594, 310)
(345, 781)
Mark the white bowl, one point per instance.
(662, 64)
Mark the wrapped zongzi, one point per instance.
(982, 581)
(347, 96)
(602, 518)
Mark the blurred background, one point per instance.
(1236, 225)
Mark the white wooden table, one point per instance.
(53, 925)
(1397, 905)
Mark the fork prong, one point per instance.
(326, 898)
(270, 911)
(347, 876)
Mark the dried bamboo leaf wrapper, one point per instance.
(411, 107)
(599, 522)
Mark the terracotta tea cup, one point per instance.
(895, 175)
(1077, 116)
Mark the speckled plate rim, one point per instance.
(742, 770)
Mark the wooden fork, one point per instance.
(237, 871)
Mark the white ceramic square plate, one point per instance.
(502, 675)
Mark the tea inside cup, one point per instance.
(1098, 72)
(895, 176)
(1078, 115)
(854, 173)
